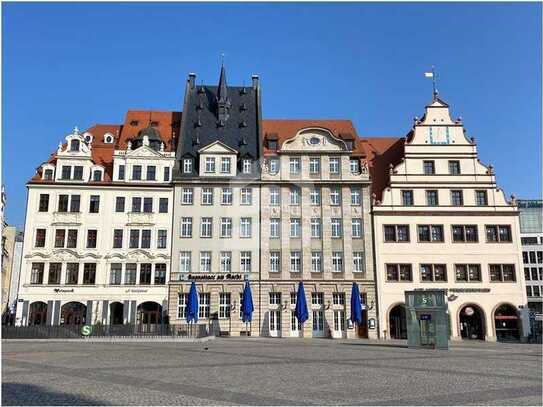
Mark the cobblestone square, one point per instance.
(260, 371)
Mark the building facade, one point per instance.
(441, 221)
(8, 255)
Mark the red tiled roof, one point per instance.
(168, 124)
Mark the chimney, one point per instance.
(255, 81)
(192, 79)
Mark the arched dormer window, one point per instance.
(97, 175)
(48, 174)
(74, 145)
(108, 138)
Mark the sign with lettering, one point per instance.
(215, 277)
(86, 330)
(63, 290)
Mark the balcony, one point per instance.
(66, 218)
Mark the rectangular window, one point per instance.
(97, 175)
(454, 167)
(316, 262)
(224, 305)
(91, 238)
(335, 196)
(130, 274)
(136, 172)
(72, 239)
(136, 204)
(245, 262)
(336, 227)
(498, 233)
(115, 273)
(151, 173)
(206, 227)
(407, 198)
(465, 233)
(358, 262)
(160, 274)
(146, 239)
(205, 262)
(317, 298)
(207, 196)
(334, 165)
(433, 272)
(295, 261)
(315, 196)
(274, 165)
(338, 298)
(457, 198)
(118, 239)
(354, 165)
(121, 172)
(119, 204)
(44, 203)
(295, 165)
(356, 228)
(356, 196)
(78, 172)
(187, 195)
(481, 198)
(245, 227)
(315, 228)
(295, 195)
(145, 273)
(467, 272)
(148, 205)
(48, 174)
(246, 196)
(185, 262)
(72, 273)
(210, 165)
(429, 167)
(36, 273)
(55, 270)
(166, 174)
(134, 239)
(432, 198)
(246, 166)
(502, 272)
(275, 262)
(186, 227)
(226, 227)
(337, 262)
(75, 203)
(94, 205)
(275, 298)
(89, 273)
(60, 237)
(66, 172)
(182, 300)
(226, 196)
(274, 228)
(430, 233)
(226, 165)
(63, 203)
(162, 239)
(40, 238)
(275, 197)
(314, 165)
(295, 226)
(532, 257)
(226, 262)
(396, 233)
(187, 165)
(399, 272)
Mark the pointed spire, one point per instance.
(222, 91)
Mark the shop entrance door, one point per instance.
(427, 330)
(275, 323)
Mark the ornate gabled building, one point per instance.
(441, 221)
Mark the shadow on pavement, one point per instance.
(380, 345)
(16, 394)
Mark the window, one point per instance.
(226, 227)
(481, 198)
(457, 198)
(162, 239)
(356, 196)
(226, 165)
(529, 291)
(187, 195)
(337, 262)
(48, 174)
(295, 165)
(44, 203)
(338, 298)
(74, 145)
(146, 239)
(295, 261)
(206, 227)
(204, 302)
(429, 167)
(315, 228)
(358, 262)
(130, 274)
(534, 273)
(136, 204)
(148, 205)
(454, 167)
(274, 165)
(315, 196)
(185, 262)
(246, 196)
(134, 239)
(75, 203)
(55, 270)
(275, 196)
(121, 172)
(433, 272)
(40, 238)
(407, 198)
(182, 301)
(145, 273)
(354, 165)
(119, 204)
(532, 257)
(78, 172)
(275, 262)
(468, 272)
(72, 273)
(314, 165)
(118, 239)
(245, 227)
(432, 198)
(275, 298)
(293, 298)
(66, 172)
(527, 273)
(166, 174)
(356, 228)
(540, 257)
(465, 233)
(187, 165)
(97, 175)
(207, 196)
(89, 273)
(316, 262)
(295, 195)
(274, 228)
(186, 227)
(163, 205)
(226, 262)
(205, 262)
(334, 165)
(430, 233)
(91, 238)
(72, 239)
(396, 233)
(94, 205)
(502, 272)
(245, 262)
(537, 292)
(399, 272)
(115, 273)
(335, 197)
(224, 305)
(317, 298)
(36, 273)
(60, 236)
(226, 196)
(336, 227)
(210, 165)
(498, 233)
(295, 227)
(246, 166)
(63, 203)
(160, 273)
(136, 172)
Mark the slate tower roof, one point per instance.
(229, 114)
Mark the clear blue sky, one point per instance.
(79, 64)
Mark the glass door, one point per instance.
(275, 323)
(318, 323)
(339, 324)
(427, 331)
(294, 325)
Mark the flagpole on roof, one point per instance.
(434, 81)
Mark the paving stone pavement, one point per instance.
(261, 371)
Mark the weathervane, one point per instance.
(222, 58)
(432, 74)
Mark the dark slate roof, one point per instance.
(200, 122)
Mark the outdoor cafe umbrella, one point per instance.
(356, 305)
(301, 312)
(247, 307)
(192, 305)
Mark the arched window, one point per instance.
(97, 175)
(48, 174)
(74, 145)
